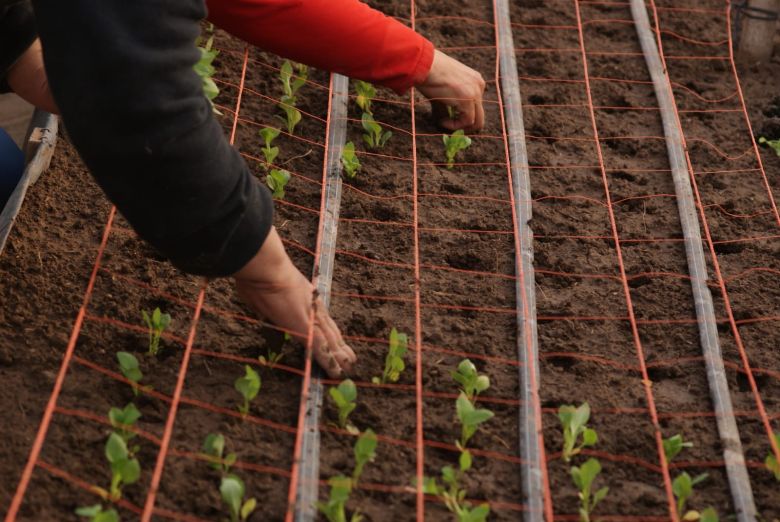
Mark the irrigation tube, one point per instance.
(309, 478)
(716, 375)
(531, 450)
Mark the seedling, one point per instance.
(375, 137)
(335, 508)
(682, 487)
(470, 418)
(774, 144)
(269, 134)
(365, 94)
(453, 494)
(205, 69)
(771, 460)
(157, 322)
(123, 420)
(248, 386)
(96, 513)
(674, 445)
(214, 451)
(394, 360)
(291, 83)
(574, 422)
(128, 365)
(583, 477)
(365, 451)
(125, 469)
(453, 144)
(276, 180)
(350, 161)
(345, 395)
(471, 382)
(232, 490)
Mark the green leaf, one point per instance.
(465, 460)
(248, 507)
(232, 490)
(709, 515)
(589, 437)
(116, 448)
(214, 445)
(348, 390)
(89, 511)
(365, 451)
(109, 515)
(269, 134)
(600, 495)
(129, 469)
(248, 385)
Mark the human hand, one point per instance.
(453, 84)
(272, 286)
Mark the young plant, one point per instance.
(276, 180)
(125, 469)
(574, 422)
(583, 477)
(269, 134)
(774, 144)
(365, 94)
(350, 161)
(470, 418)
(128, 365)
(292, 116)
(205, 69)
(232, 490)
(453, 144)
(453, 494)
(344, 396)
(771, 462)
(471, 382)
(292, 82)
(394, 360)
(248, 386)
(682, 487)
(365, 452)
(123, 420)
(375, 137)
(214, 451)
(674, 445)
(157, 322)
(96, 513)
(334, 509)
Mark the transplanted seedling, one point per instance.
(341, 486)
(471, 382)
(470, 418)
(290, 87)
(574, 422)
(292, 116)
(375, 137)
(682, 487)
(269, 134)
(394, 360)
(345, 396)
(125, 469)
(453, 144)
(276, 180)
(583, 477)
(365, 94)
(775, 144)
(365, 452)
(674, 445)
(205, 69)
(123, 420)
(350, 161)
(128, 365)
(453, 494)
(214, 451)
(157, 322)
(232, 490)
(96, 513)
(771, 460)
(248, 386)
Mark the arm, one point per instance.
(122, 74)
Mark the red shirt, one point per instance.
(343, 36)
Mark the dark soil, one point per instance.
(466, 253)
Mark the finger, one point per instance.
(466, 112)
(479, 120)
(343, 352)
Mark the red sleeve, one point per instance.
(343, 36)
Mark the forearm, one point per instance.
(121, 73)
(344, 36)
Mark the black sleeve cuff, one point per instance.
(17, 34)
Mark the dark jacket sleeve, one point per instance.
(17, 33)
(121, 72)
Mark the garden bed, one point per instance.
(457, 232)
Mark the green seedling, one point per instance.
(292, 115)
(96, 513)
(682, 487)
(344, 396)
(248, 386)
(214, 452)
(774, 144)
(232, 490)
(365, 95)
(375, 137)
(583, 477)
(471, 382)
(292, 81)
(453, 494)
(394, 360)
(128, 365)
(574, 422)
(205, 69)
(276, 180)
(674, 445)
(365, 452)
(123, 420)
(470, 418)
(269, 134)
(453, 144)
(350, 161)
(157, 322)
(335, 508)
(771, 462)
(125, 469)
